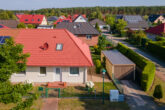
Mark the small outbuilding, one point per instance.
(117, 65)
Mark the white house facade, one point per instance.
(51, 74)
(80, 19)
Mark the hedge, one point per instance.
(157, 48)
(147, 67)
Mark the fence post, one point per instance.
(46, 92)
(58, 92)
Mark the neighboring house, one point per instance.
(79, 18)
(156, 31)
(55, 55)
(83, 30)
(33, 19)
(103, 26)
(135, 22)
(3, 27)
(9, 23)
(118, 66)
(52, 19)
(45, 27)
(119, 17)
(66, 20)
(156, 18)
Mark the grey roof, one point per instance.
(116, 58)
(93, 22)
(52, 18)
(45, 26)
(78, 28)
(9, 23)
(135, 21)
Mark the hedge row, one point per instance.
(157, 48)
(147, 67)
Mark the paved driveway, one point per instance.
(138, 99)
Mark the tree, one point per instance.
(12, 59)
(121, 24)
(30, 26)
(110, 20)
(158, 92)
(21, 25)
(97, 27)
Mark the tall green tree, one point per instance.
(110, 20)
(120, 26)
(12, 59)
(97, 27)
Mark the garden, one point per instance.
(90, 104)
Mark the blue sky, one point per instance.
(37, 4)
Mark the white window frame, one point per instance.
(61, 46)
(74, 74)
(40, 72)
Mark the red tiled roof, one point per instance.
(19, 15)
(3, 27)
(74, 53)
(63, 20)
(158, 30)
(31, 19)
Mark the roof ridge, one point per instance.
(78, 46)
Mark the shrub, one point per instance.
(27, 103)
(160, 38)
(147, 67)
(158, 92)
(21, 25)
(98, 66)
(157, 48)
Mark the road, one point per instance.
(160, 65)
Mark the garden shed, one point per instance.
(117, 65)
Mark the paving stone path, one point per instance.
(50, 104)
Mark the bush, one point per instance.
(13, 93)
(98, 66)
(147, 67)
(160, 38)
(158, 92)
(21, 25)
(157, 48)
(27, 103)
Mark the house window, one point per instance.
(32, 19)
(89, 36)
(38, 19)
(74, 70)
(58, 71)
(43, 70)
(59, 46)
(26, 19)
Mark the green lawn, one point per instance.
(158, 81)
(80, 91)
(78, 104)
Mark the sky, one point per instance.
(38, 4)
